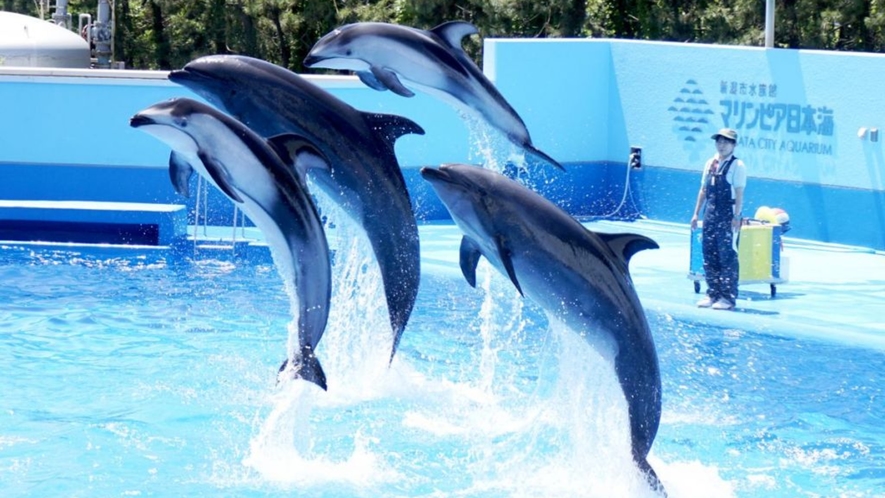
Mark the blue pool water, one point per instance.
(147, 376)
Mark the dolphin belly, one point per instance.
(433, 61)
(578, 276)
(363, 178)
(252, 173)
(301, 255)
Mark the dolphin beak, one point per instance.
(188, 77)
(140, 120)
(180, 76)
(433, 175)
(191, 77)
(310, 60)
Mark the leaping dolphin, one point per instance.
(364, 177)
(254, 174)
(576, 275)
(431, 61)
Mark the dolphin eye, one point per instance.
(349, 52)
(181, 122)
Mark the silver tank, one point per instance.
(30, 42)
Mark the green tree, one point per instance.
(164, 34)
(26, 7)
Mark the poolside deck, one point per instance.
(835, 293)
(94, 222)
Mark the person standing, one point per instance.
(721, 195)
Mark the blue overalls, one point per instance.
(720, 258)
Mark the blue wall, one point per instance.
(799, 115)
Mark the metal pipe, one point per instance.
(61, 16)
(233, 237)
(103, 35)
(85, 21)
(769, 23)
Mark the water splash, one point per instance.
(492, 150)
(354, 352)
(529, 407)
(284, 450)
(489, 355)
(489, 147)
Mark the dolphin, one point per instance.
(575, 274)
(432, 61)
(363, 177)
(258, 176)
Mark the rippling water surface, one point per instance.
(138, 376)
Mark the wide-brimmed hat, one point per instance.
(726, 133)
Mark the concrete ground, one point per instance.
(834, 293)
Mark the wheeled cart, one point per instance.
(759, 256)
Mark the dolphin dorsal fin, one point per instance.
(626, 245)
(390, 126)
(453, 32)
(180, 172)
(470, 255)
(298, 152)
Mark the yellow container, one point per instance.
(754, 253)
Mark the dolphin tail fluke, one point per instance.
(310, 369)
(651, 477)
(398, 324)
(540, 155)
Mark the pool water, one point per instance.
(147, 376)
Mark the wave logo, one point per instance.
(692, 115)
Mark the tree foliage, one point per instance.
(165, 34)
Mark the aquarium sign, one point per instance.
(761, 113)
(751, 109)
(748, 89)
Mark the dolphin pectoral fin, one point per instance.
(507, 261)
(310, 369)
(298, 152)
(453, 32)
(371, 81)
(180, 172)
(470, 255)
(627, 244)
(220, 177)
(391, 81)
